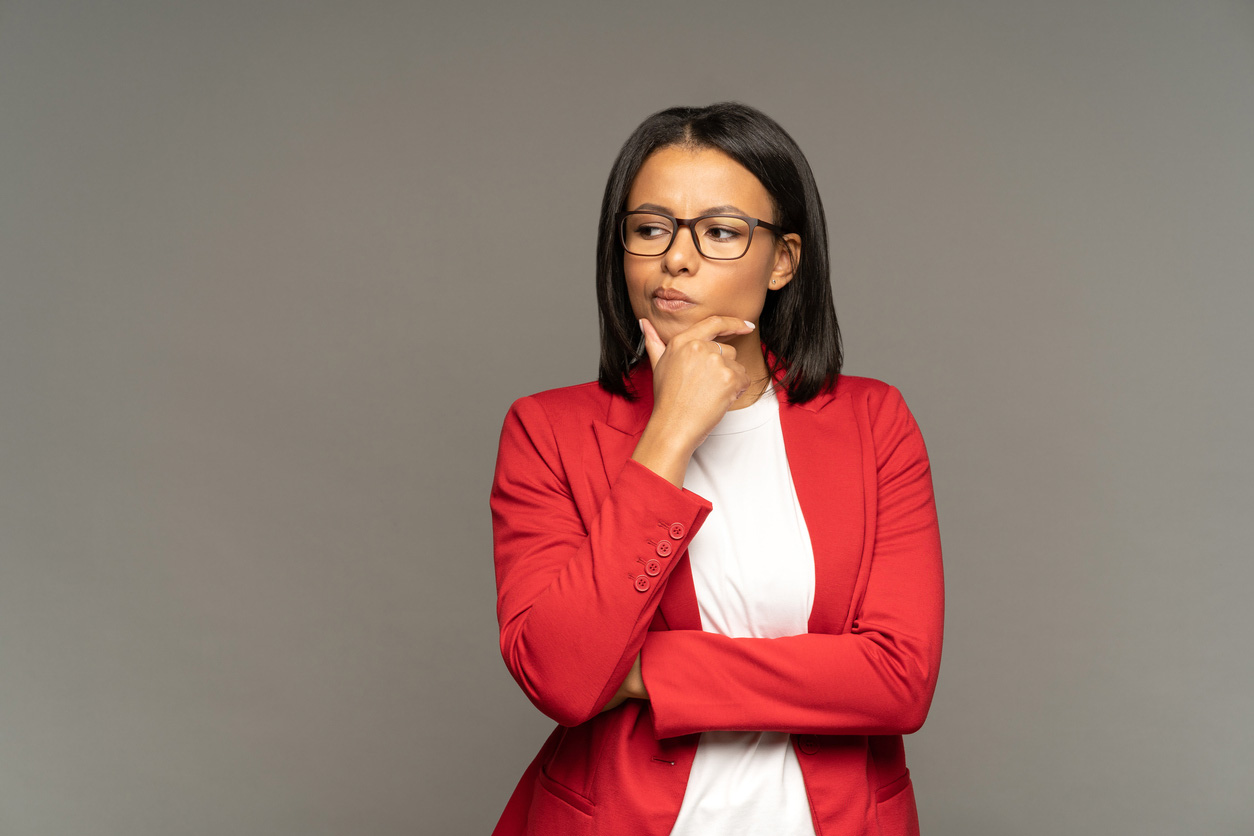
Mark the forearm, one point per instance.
(878, 678)
(807, 684)
(632, 687)
(574, 606)
(663, 449)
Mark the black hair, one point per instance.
(798, 323)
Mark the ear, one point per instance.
(787, 260)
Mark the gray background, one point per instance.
(273, 272)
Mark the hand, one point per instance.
(695, 382)
(632, 688)
(695, 378)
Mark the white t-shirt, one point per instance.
(753, 569)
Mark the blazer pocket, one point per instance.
(557, 809)
(895, 808)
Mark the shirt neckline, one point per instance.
(751, 417)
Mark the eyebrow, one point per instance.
(713, 210)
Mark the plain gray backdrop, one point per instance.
(272, 273)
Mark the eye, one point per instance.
(722, 233)
(652, 230)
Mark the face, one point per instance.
(679, 288)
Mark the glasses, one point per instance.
(720, 237)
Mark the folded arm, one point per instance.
(876, 679)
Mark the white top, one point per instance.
(753, 569)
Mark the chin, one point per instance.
(667, 332)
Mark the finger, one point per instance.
(716, 326)
(652, 342)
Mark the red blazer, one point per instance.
(591, 569)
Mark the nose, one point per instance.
(683, 256)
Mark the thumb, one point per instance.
(652, 342)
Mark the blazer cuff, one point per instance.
(666, 516)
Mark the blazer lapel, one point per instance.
(679, 600)
(624, 423)
(823, 444)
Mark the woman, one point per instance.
(718, 567)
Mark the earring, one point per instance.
(772, 281)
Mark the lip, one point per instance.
(671, 300)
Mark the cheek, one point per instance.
(750, 287)
(635, 294)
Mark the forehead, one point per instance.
(687, 182)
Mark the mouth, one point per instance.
(671, 300)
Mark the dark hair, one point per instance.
(798, 323)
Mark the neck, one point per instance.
(749, 354)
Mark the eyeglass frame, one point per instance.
(691, 223)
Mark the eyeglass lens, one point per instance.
(646, 234)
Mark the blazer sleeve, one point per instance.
(876, 679)
(574, 600)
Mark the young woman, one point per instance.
(718, 567)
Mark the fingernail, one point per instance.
(750, 324)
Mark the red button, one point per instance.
(677, 531)
(664, 548)
(642, 583)
(809, 744)
(653, 568)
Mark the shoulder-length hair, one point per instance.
(798, 324)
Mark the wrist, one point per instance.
(638, 690)
(664, 452)
(635, 680)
